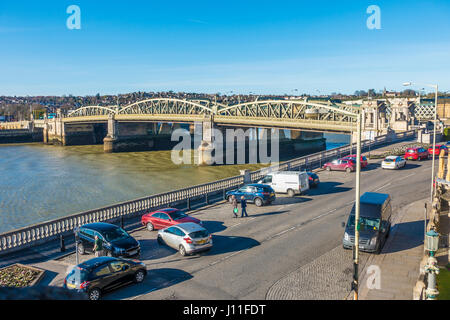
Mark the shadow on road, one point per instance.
(407, 235)
(225, 244)
(215, 226)
(288, 200)
(270, 213)
(152, 250)
(327, 188)
(156, 279)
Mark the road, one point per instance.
(289, 250)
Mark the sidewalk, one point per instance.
(400, 258)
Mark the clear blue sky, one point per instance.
(221, 46)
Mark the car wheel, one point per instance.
(109, 253)
(150, 226)
(139, 276)
(328, 168)
(94, 294)
(160, 240)
(258, 202)
(81, 249)
(348, 170)
(291, 193)
(230, 199)
(182, 250)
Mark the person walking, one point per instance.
(234, 203)
(98, 246)
(243, 207)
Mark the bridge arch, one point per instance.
(167, 106)
(92, 111)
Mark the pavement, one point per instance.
(291, 249)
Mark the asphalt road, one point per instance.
(251, 255)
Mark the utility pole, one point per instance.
(357, 207)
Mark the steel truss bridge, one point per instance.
(283, 114)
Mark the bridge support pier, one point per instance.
(128, 137)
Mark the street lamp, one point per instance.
(431, 245)
(435, 86)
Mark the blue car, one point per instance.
(259, 194)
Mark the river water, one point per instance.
(43, 182)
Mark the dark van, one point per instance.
(375, 222)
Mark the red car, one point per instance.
(352, 157)
(437, 150)
(167, 217)
(341, 165)
(417, 153)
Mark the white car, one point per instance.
(393, 162)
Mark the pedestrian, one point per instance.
(98, 246)
(243, 207)
(235, 206)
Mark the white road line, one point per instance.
(387, 184)
(409, 175)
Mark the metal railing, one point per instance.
(46, 231)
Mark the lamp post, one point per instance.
(357, 206)
(431, 245)
(435, 86)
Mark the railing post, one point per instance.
(61, 243)
(224, 193)
(206, 198)
(188, 202)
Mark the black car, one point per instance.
(313, 180)
(97, 276)
(116, 241)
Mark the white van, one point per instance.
(290, 182)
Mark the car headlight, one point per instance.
(373, 241)
(346, 237)
(119, 250)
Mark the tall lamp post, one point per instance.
(435, 86)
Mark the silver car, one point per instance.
(393, 162)
(186, 237)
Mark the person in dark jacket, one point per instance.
(234, 203)
(243, 207)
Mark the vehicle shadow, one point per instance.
(372, 166)
(328, 187)
(404, 236)
(225, 244)
(410, 165)
(152, 250)
(156, 279)
(289, 200)
(215, 226)
(270, 213)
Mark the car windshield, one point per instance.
(178, 215)
(365, 223)
(115, 234)
(199, 234)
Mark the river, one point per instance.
(42, 182)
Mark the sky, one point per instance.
(263, 47)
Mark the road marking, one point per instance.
(387, 184)
(409, 175)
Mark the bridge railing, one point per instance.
(47, 231)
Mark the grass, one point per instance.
(443, 283)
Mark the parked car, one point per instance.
(187, 238)
(417, 153)
(290, 182)
(437, 150)
(340, 165)
(375, 222)
(313, 180)
(103, 274)
(164, 218)
(116, 241)
(259, 194)
(352, 157)
(393, 162)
